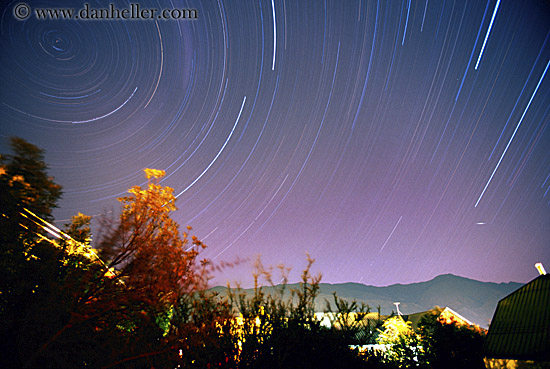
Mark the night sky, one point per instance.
(393, 140)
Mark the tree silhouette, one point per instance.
(449, 344)
(281, 329)
(24, 184)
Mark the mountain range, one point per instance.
(474, 300)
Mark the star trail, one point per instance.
(393, 141)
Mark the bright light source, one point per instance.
(540, 268)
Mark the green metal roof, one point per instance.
(520, 328)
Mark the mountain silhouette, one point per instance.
(474, 300)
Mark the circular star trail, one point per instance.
(392, 140)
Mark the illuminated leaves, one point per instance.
(155, 261)
(394, 328)
(154, 173)
(403, 345)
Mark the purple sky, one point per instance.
(394, 140)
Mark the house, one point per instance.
(519, 334)
(446, 315)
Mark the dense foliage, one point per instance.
(437, 344)
(141, 300)
(451, 345)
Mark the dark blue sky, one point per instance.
(392, 140)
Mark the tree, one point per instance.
(353, 321)
(449, 344)
(134, 308)
(24, 183)
(79, 229)
(24, 186)
(156, 264)
(403, 345)
(281, 330)
(157, 277)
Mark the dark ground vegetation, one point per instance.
(142, 300)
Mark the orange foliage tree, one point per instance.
(149, 296)
(147, 251)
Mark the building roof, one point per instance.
(520, 328)
(447, 314)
